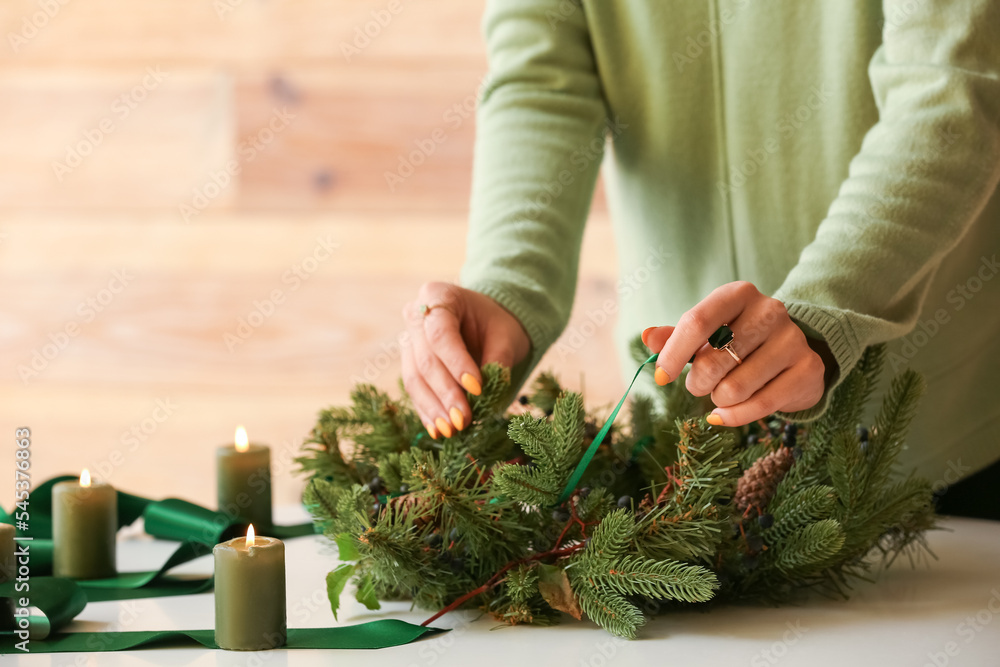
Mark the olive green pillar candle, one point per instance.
(84, 526)
(243, 473)
(250, 593)
(8, 568)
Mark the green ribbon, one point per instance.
(372, 635)
(581, 467)
(198, 530)
(59, 599)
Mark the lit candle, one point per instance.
(84, 525)
(250, 593)
(244, 480)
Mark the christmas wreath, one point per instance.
(670, 511)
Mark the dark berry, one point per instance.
(765, 520)
(433, 540)
(862, 434)
(625, 502)
(457, 565)
(584, 492)
(523, 399)
(791, 429)
(560, 514)
(754, 543)
(404, 488)
(444, 556)
(375, 484)
(376, 507)
(864, 446)
(454, 535)
(796, 453)
(788, 440)
(751, 440)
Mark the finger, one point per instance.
(776, 354)
(723, 305)
(426, 404)
(655, 337)
(797, 388)
(755, 325)
(436, 376)
(441, 327)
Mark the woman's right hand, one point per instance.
(446, 345)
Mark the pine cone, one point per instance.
(757, 485)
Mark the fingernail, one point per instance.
(443, 426)
(457, 418)
(645, 335)
(714, 419)
(661, 376)
(431, 431)
(471, 384)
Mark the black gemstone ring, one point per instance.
(723, 339)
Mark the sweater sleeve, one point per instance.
(924, 172)
(539, 143)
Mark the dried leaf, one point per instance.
(554, 586)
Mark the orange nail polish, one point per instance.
(645, 335)
(714, 419)
(471, 384)
(431, 431)
(443, 426)
(457, 418)
(661, 376)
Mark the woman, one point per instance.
(820, 176)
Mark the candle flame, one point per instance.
(250, 536)
(242, 443)
(85, 478)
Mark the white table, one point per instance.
(910, 617)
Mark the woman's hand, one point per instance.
(446, 343)
(780, 371)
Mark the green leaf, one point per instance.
(347, 548)
(335, 582)
(366, 593)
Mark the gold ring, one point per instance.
(723, 339)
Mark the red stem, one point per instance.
(495, 579)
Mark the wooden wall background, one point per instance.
(156, 97)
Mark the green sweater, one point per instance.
(839, 154)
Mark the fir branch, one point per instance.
(805, 506)
(609, 539)
(809, 549)
(545, 392)
(606, 608)
(892, 422)
(657, 579)
(493, 397)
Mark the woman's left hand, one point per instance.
(780, 371)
